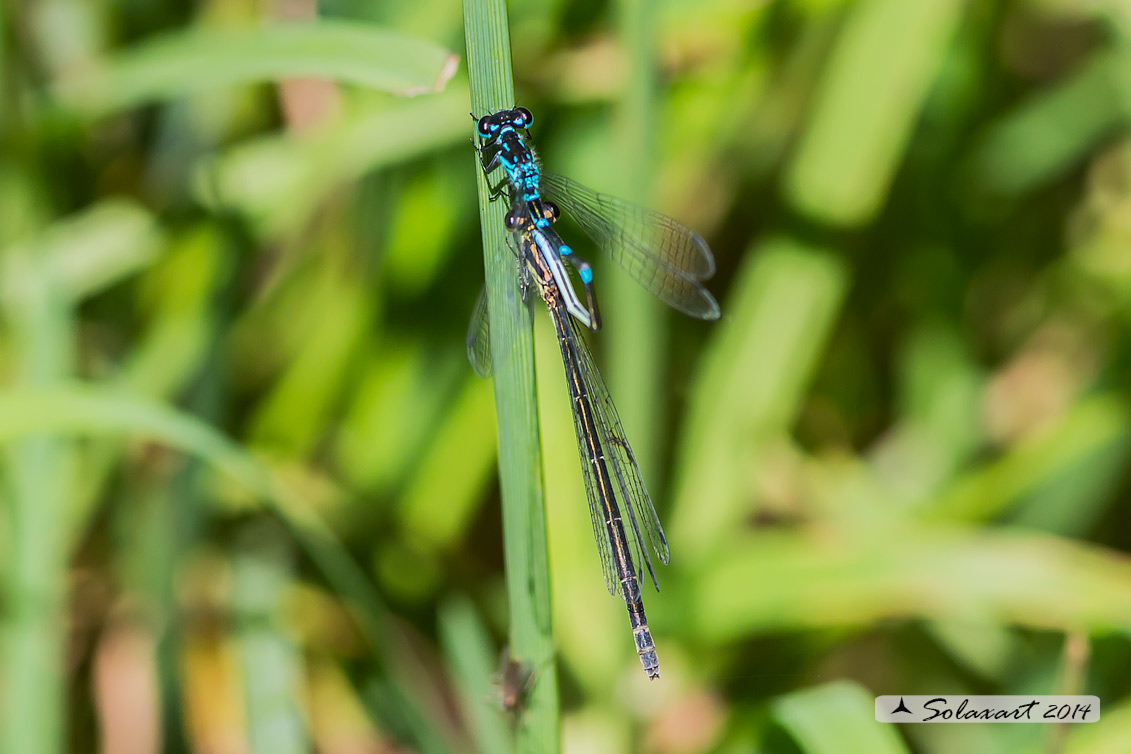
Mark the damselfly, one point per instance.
(666, 257)
(613, 483)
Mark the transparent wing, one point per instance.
(478, 337)
(622, 463)
(606, 439)
(663, 255)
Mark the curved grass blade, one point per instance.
(83, 410)
(806, 581)
(835, 718)
(202, 59)
(278, 180)
(663, 255)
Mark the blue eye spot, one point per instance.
(566, 251)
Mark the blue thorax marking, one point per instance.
(519, 163)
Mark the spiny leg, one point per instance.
(489, 165)
(488, 156)
(498, 190)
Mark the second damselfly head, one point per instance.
(522, 217)
(530, 239)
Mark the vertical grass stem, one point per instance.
(512, 352)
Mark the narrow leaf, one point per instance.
(202, 59)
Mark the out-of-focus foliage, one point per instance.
(248, 485)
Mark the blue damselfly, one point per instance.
(613, 484)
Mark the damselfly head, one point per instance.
(515, 219)
(487, 125)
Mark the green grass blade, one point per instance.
(875, 83)
(79, 410)
(938, 429)
(204, 59)
(389, 703)
(1094, 425)
(1109, 735)
(837, 718)
(271, 662)
(91, 251)
(292, 416)
(274, 180)
(635, 322)
(754, 376)
(1052, 132)
(512, 354)
(40, 471)
(441, 498)
(5, 73)
(169, 353)
(807, 581)
(473, 662)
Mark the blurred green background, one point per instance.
(249, 483)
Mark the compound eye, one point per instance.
(512, 220)
(523, 118)
(550, 211)
(485, 126)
